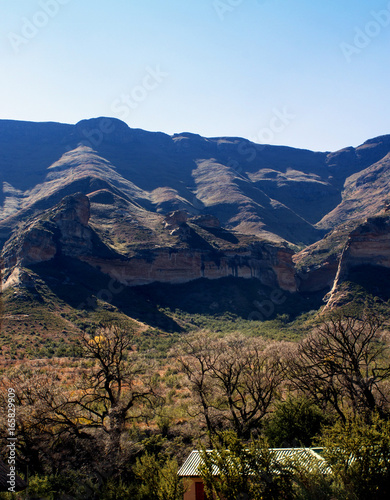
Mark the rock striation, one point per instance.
(271, 192)
(327, 265)
(156, 208)
(272, 266)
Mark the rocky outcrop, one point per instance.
(73, 210)
(37, 244)
(271, 192)
(353, 252)
(71, 218)
(367, 245)
(175, 219)
(318, 278)
(63, 231)
(206, 221)
(317, 265)
(271, 265)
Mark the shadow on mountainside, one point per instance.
(238, 296)
(84, 288)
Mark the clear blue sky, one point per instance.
(292, 72)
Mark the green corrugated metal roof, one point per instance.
(307, 457)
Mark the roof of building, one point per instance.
(4, 485)
(310, 458)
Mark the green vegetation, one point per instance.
(359, 455)
(45, 319)
(119, 384)
(295, 422)
(246, 470)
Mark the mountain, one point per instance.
(275, 192)
(96, 201)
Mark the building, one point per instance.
(310, 458)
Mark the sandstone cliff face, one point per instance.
(326, 265)
(175, 219)
(65, 231)
(367, 245)
(317, 265)
(37, 245)
(314, 271)
(72, 221)
(272, 266)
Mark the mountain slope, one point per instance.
(365, 193)
(271, 191)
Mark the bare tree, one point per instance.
(345, 363)
(117, 388)
(43, 417)
(234, 379)
(110, 389)
(195, 360)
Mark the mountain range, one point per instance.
(142, 208)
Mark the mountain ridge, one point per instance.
(278, 192)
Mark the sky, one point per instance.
(303, 73)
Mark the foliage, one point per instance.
(157, 478)
(87, 427)
(295, 422)
(243, 470)
(234, 380)
(53, 486)
(359, 456)
(117, 388)
(311, 484)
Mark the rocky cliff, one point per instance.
(367, 247)
(336, 259)
(64, 231)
